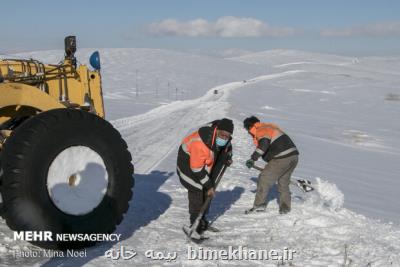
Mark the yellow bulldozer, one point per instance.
(63, 168)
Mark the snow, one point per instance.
(334, 109)
(329, 196)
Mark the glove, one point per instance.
(229, 160)
(250, 163)
(211, 192)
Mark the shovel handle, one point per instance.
(257, 168)
(306, 189)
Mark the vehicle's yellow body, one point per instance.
(31, 84)
(28, 87)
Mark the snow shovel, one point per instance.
(304, 185)
(190, 230)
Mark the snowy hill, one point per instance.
(365, 67)
(283, 57)
(337, 112)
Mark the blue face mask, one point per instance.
(221, 142)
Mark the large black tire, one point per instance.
(26, 159)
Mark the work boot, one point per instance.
(203, 226)
(258, 208)
(284, 209)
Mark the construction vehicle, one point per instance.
(64, 169)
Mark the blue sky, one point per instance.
(341, 27)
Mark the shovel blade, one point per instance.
(305, 185)
(193, 235)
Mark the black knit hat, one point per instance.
(249, 122)
(226, 125)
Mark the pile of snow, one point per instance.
(329, 196)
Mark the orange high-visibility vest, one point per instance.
(200, 155)
(265, 130)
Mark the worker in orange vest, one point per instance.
(201, 157)
(276, 148)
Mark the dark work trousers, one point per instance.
(196, 201)
(197, 198)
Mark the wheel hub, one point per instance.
(77, 180)
(72, 181)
